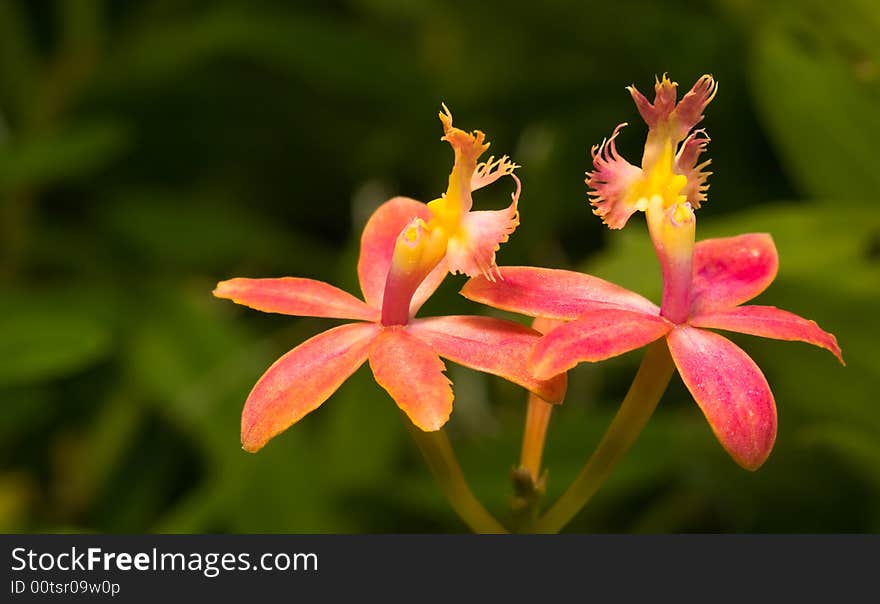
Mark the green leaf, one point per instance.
(815, 70)
(42, 340)
(857, 447)
(68, 154)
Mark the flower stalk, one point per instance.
(538, 415)
(438, 453)
(645, 392)
(529, 483)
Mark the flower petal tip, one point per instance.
(222, 289)
(295, 296)
(770, 322)
(730, 389)
(301, 380)
(689, 111)
(250, 447)
(411, 373)
(752, 463)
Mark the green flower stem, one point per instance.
(437, 450)
(648, 386)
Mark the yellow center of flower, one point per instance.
(659, 180)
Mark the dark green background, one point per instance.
(150, 149)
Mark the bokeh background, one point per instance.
(149, 149)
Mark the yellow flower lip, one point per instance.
(659, 180)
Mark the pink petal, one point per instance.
(295, 296)
(769, 322)
(472, 249)
(665, 93)
(686, 164)
(611, 182)
(595, 336)
(552, 293)
(494, 346)
(730, 389)
(412, 374)
(377, 243)
(689, 111)
(732, 270)
(301, 380)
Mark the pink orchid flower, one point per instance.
(406, 249)
(703, 284)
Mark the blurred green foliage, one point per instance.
(150, 149)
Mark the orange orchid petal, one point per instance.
(595, 336)
(769, 322)
(731, 391)
(731, 270)
(490, 345)
(552, 293)
(295, 296)
(378, 241)
(301, 380)
(412, 374)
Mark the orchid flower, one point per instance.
(704, 284)
(406, 249)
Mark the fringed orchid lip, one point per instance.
(401, 264)
(605, 320)
(472, 237)
(670, 166)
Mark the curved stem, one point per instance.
(638, 405)
(437, 450)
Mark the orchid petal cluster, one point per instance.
(407, 248)
(704, 284)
